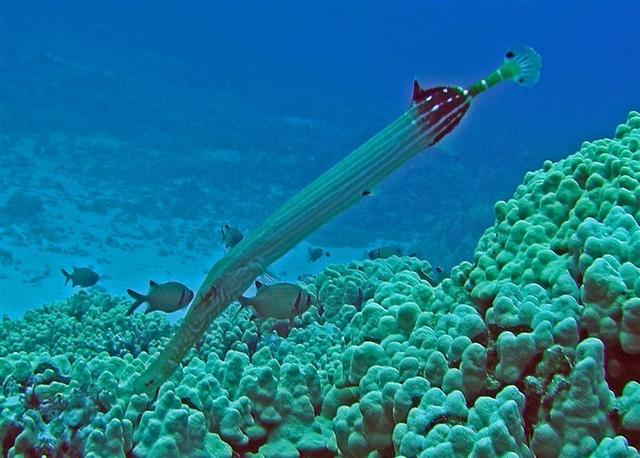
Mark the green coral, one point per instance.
(578, 419)
(85, 324)
(173, 430)
(526, 350)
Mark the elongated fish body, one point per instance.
(281, 300)
(81, 276)
(433, 113)
(167, 297)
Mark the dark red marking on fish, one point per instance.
(296, 304)
(439, 109)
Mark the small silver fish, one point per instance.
(81, 276)
(230, 236)
(167, 297)
(317, 253)
(282, 300)
(384, 252)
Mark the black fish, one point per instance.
(230, 236)
(384, 252)
(81, 276)
(317, 253)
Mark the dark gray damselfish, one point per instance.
(384, 252)
(230, 236)
(316, 253)
(81, 276)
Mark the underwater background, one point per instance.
(131, 132)
(142, 127)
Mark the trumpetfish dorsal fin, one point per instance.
(417, 92)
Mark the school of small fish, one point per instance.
(282, 301)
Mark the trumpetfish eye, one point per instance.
(210, 294)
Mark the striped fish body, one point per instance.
(432, 114)
(168, 297)
(282, 301)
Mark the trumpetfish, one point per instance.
(433, 113)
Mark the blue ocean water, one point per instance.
(135, 136)
(130, 131)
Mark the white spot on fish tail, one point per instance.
(435, 107)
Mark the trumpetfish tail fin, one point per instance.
(520, 65)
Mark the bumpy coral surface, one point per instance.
(531, 350)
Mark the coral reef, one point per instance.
(85, 324)
(526, 351)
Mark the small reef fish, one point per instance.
(437, 275)
(230, 236)
(167, 297)
(282, 301)
(433, 113)
(317, 253)
(387, 251)
(438, 272)
(81, 276)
